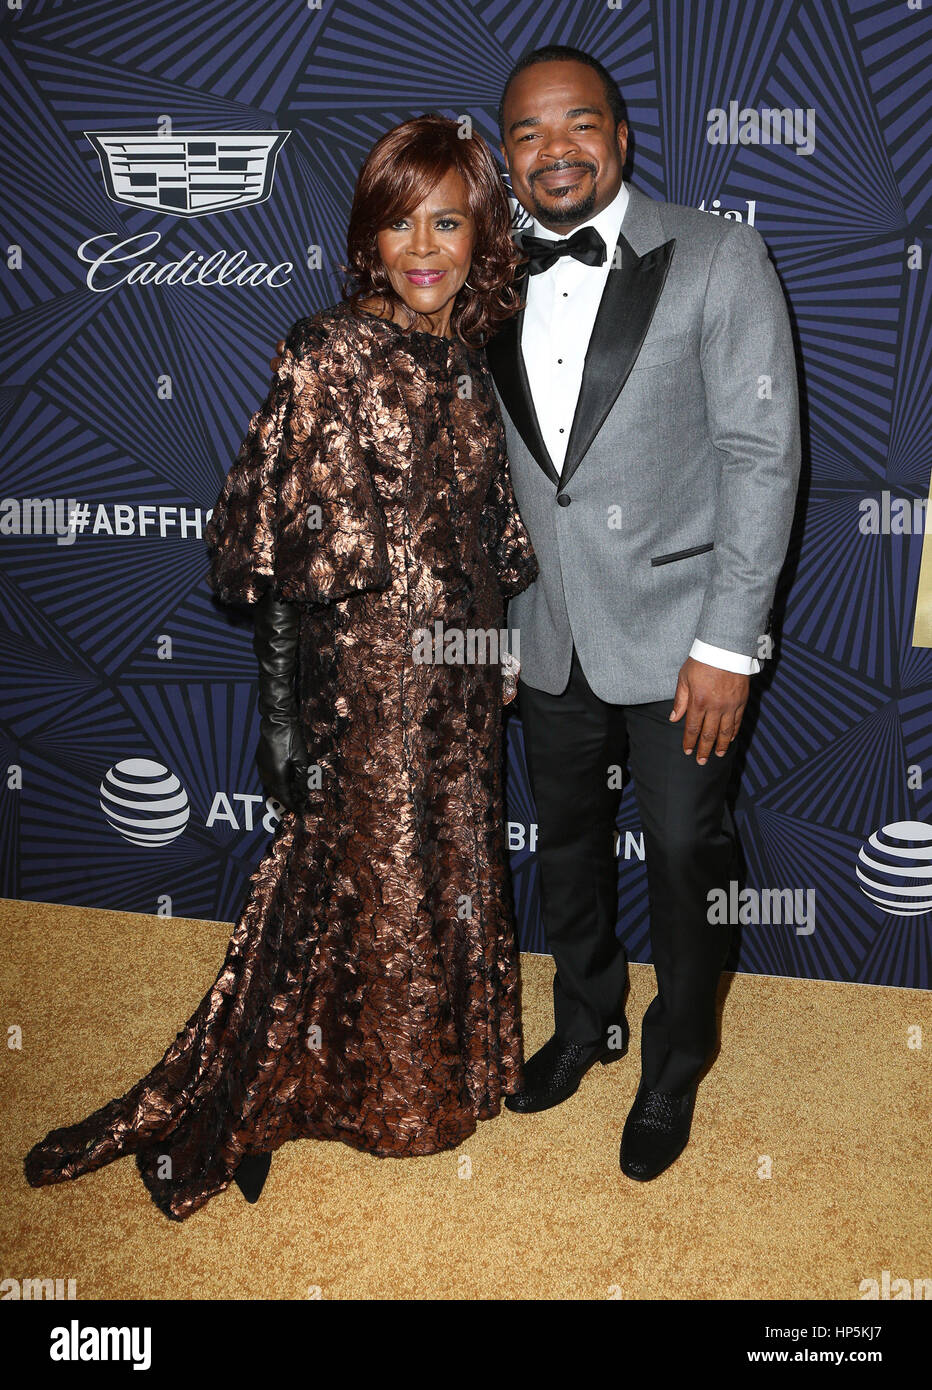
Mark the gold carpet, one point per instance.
(815, 1083)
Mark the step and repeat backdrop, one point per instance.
(178, 180)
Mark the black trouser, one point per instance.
(572, 741)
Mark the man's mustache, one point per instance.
(560, 169)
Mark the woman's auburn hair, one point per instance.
(399, 172)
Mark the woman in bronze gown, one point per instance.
(370, 989)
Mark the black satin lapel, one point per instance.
(506, 363)
(625, 312)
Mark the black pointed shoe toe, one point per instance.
(251, 1174)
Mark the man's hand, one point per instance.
(713, 702)
(277, 361)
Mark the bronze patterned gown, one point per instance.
(370, 989)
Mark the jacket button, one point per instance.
(563, 500)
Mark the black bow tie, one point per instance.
(584, 245)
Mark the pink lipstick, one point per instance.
(424, 277)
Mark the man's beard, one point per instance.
(578, 211)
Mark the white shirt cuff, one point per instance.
(725, 660)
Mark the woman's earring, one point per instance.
(468, 285)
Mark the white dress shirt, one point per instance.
(562, 303)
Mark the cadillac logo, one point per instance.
(190, 172)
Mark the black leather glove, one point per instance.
(281, 757)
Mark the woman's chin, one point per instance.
(428, 301)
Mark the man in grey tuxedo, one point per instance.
(650, 402)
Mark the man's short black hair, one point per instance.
(558, 53)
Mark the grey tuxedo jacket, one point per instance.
(671, 518)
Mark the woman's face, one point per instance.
(427, 253)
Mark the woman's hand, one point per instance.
(277, 360)
(281, 757)
(282, 762)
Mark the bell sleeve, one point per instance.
(298, 511)
(502, 533)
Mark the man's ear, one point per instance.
(504, 155)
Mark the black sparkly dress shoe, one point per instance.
(553, 1074)
(251, 1174)
(656, 1132)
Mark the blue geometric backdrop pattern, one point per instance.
(130, 397)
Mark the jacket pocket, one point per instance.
(682, 554)
(656, 351)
